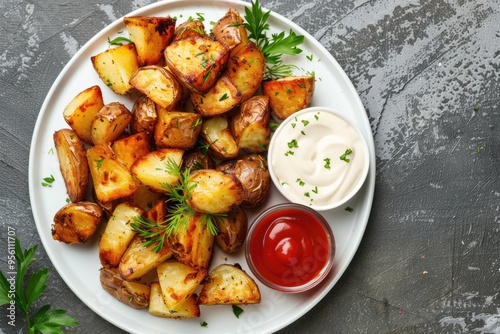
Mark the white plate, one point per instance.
(79, 265)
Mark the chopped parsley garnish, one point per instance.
(343, 157)
(237, 311)
(119, 41)
(47, 181)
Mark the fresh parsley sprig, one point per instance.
(23, 297)
(275, 46)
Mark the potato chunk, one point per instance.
(72, 163)
(215, 192)
(220, 99)
(110, 123)
(133, 294)
(216, 134)
(289, 94)
(177, 129)
(250, 124)
(197, 61)
(118, 234)
(158, 84)
(111, 179)
(129, 149)
(116, 66)
(232, 230)
(150, 35)
(229, 284)
(188, 308)
(230, 29)
(76, 222)
(178, 282)
(81, 109)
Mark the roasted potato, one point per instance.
(76, 222)
(133, 294)
(72, 163)
(116, 66)
(246, 68)
(151, 171)
(220, 99)
(177, 129)
(232, 230)
(188, 308)
(215, 192)
(195, 159)
(158, 84)
(178, 282)
(81, 109)
(144, 198)
(230, 29)
(289, 94)
(250, 124)
(117, 235)
(130, 148)
(193, 244)
(150, 35)
(189, 28)
(252, 172)
(138, 260)
(144, 115)
(110, 123)
(111, 179)
(228, 284)
(216, 134)
(197, 61)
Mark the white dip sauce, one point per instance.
(317, 158)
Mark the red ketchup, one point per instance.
(290, 247)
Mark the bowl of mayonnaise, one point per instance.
(319, 158)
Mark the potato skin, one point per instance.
(72, 163)
(133, 294)
(144, 115)
(177, 129)
(252, 172)
(195, 160)
(76, 222)
(232, 230)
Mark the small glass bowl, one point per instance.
(265, 257)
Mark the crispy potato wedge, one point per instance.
(133, 294)
(72, 163)
(252, 172)
(215, 192)
(150, 35)
(195, 159)
(144, 115)
(150, 169)
(117, 235)
(216, 134)
(158, 84)
(250, 124)
(228, 284)
(232, 230)
(197, 61)
(138, 260)
(76, 222)
(177, 129)
(116, 66)
(220, 99)
(81, 109)
(110, 123)
(189, 28)
(188, 308)
(128, 149)
(178, 282)
(193, 244)
(111, 179)
(230, 29)
(289, 94)
(246, 68)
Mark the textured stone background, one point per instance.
(428, 75)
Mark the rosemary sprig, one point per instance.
(272, 48)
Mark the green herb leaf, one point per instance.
(344, 156)
(349, 209)
(237, 311)
(293, 144)
(47, 181)
(119, 41)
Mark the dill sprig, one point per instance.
(179, 212)
(275, 46)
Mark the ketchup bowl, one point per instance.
(290, 247)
